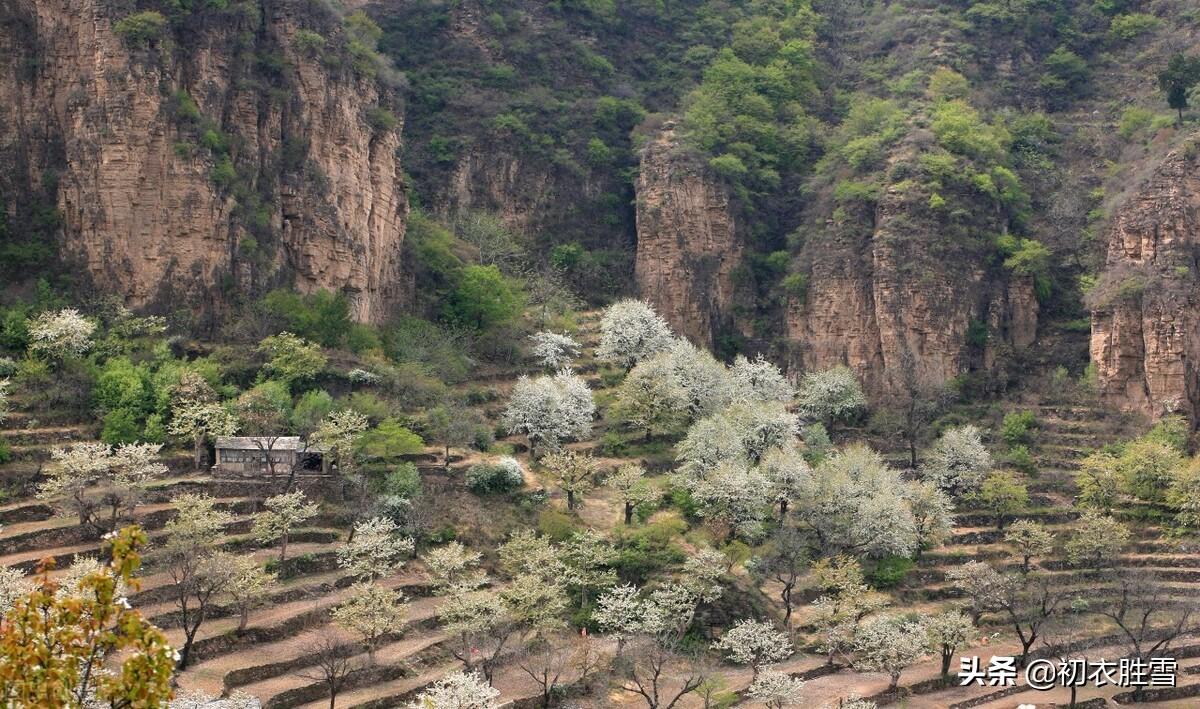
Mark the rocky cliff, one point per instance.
(904, 297)
(1145, 324)
(688, 245)
(209, 159)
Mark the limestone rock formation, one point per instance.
(688, 245)
(317, 199)
(1145, 323)
(901, 307)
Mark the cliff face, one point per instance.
(149, 207)
(1145, 324)
(900, 307)
(688, 245)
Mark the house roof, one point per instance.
(254, 443)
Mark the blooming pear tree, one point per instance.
(574, 473)
(249, 585)
(631, 331)
(832, 395)
(759, 380)
(283, 513)
(755, 643)
(649, 399)
(549, 410)
(199, 574)
(632, 488)
(777, 689)
(375, 549)
(932, 512)
(458, 690)
(704, 382)
(91, 478)
(61, 335)
(201, 421)
(945, 633)
(1028, 540)
(372, 611)
(958, 463)
(553, 350)
(889, 645)
(452, 565)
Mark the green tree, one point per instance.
(1003, 495)
(291, 358)
(1181, 74)
(484, 298)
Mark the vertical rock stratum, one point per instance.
(688, 245)
(208, 163)
(1145, 324)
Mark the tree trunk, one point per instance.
(946, 657)
(283, 548)
(912, 453)
(570, 499)
(783, 505)
(628, 513)
(198, 451)
(446, 459)
(332, 698)
(244, 619)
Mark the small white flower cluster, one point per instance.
(359, 375)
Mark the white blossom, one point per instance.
(554, 350)
(777, 689)
(62, 334)
(13, 585)
(755, 643)
(705, 383)
(958, 462)
(550, 410)
(832, 394)
(458, 690)
(375, 549)
(759, 380)
(631, 331)
(888, 644)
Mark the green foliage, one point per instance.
(323, 316)
(485, 298)
(381, 119)
(557, 526)
(404, 482)
(1066, 76)
(5, 451)
(960, 129)
(1018, 427)
(1027, 257)
(947, 84)
(1132, 25)
(890, 571)
(1171, 431)
(141, 28)
(645, 551)
(435, 349)
(308, 43)
(292, 358)
(1177, 79)
(389, 440)
(1020, 459)
(313, 406)
(121, 426)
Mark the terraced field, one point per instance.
(273, 658)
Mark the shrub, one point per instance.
(495, 478)
(380, 119)
(308, 43)
(890, 571)
(323, 316)
(1017, 427)
(141, 28)
(613, 445)
(484, 298)
(1021, 459)
(1132, 26)
(557, 526)
(5, 451)
(120, 426)
(404, 481)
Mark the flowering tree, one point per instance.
(375, 550)
(1029, 539)
(743, 431)
(777, 689)
(734, 496)
(984, 587)
(932, 511)
(371, 611)
(338, 436)
(60, 335)
(888, 644)
(451, 565)
(200, 421)
(199, 574)
(525, 553)
(787, 472)
(589, 558)
(854, 503)
(553, 350)
(784, 562)
(755, 643)
(291, 358)
(89, 478)
(13, 585)
(54, 647)
(945, 633)
(458, 690)
(574, 473)
(1097, 540)
(759, 380)
(549, 410)
(632, 488)
(631, 331)
(844, 601)
(958, 462)
(4, 384)
(283, 513)
(705, 383)
(248, 584)
(832, 395)
(650, 399)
